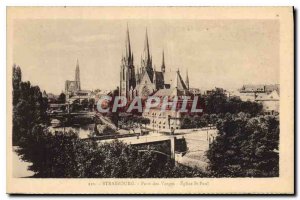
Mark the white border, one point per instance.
(104, 3)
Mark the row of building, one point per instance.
(267, 95)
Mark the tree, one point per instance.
(17, 79)
(213, 118)
(144, 121)
(29, 106)
(62, 98)
(186, 122)
(85, 103)
(245, 147)
(215, 102)
(54, 155)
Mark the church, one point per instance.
(73, 89)
(145, 80)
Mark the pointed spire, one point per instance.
(77, 75)
(146, 48)
(127, 44)
(132, 58)
(187, 82)
(163, 67)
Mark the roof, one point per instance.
(174, 79)
(260, 88)
(273, 96)
(251, 87)
(171, 92)
(159, 77)
(165, 92)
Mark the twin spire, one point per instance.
(146, 58)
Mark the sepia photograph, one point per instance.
(135, 99)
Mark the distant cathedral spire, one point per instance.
(163, 67)
(187, 82)
(77, 75)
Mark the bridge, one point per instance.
(146, 140)
(197, 141)
(71, 114)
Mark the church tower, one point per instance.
(146, 62)
(77, 76)
(127, 72)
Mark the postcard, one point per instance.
(150, 100)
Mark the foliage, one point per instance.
(61, 98)
(217, 106)
(217, 102)
(29, 106)
(245, 147)
(133, 120)
(54, 155)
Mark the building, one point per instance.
(195, 91)
(170, 118)
(145, 81)
(52, 98)
(267, 95)
(73, 89)
(270, 102)
(259, 88)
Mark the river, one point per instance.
(82, 131)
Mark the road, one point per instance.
(198, 144)
(156, 137)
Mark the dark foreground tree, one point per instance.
(246, 147)
(29, 106)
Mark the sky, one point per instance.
(216, 53)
